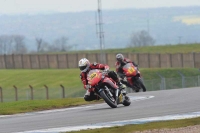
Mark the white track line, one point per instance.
(117, 123)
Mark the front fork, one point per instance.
(117, 97)
(116, 93)
(108, 91)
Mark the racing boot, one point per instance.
(122, 87)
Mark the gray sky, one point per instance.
(35, 6)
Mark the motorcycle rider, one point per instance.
(85, 66)
(121, 61)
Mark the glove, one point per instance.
(87, 87)
(106, 69)
(105, 72)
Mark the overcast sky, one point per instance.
(35, 6)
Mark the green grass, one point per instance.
(180, 48)
(38, 78)
(38, 105)
(168, 72)
(187, 48)
(22, 78)
(148, 126)
(69, 78)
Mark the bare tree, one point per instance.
(60, 45)
(42, 46)
(19, 45)
(38, 44)
(141, 38)
(6, 44)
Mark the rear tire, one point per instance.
(109, 100)
(137, 90)
(141, 84)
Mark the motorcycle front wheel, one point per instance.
(110, 100)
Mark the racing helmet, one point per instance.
(84, 64)
(120, 57)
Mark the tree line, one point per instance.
(15, 44)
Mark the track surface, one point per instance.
(165, 102)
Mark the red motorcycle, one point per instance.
(106, 88)
(132, 77)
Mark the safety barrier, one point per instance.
(63, 61)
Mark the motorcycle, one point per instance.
(106, 88)
(132, 78)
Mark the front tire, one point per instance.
(108, 99)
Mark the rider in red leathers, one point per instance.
(121, 61)
(85, 67)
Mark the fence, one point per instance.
(16, 94)
(62, 61)
(171, 83)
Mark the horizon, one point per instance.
(66, 6)
(105, 10)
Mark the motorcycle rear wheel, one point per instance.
(141, 84)
(108, 99)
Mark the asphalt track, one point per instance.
(144, 105)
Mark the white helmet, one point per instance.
(84, 64)
(120, 57)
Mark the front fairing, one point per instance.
(94, 76)
(129, 69)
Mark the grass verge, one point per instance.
(147, 126)
(39, 105)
